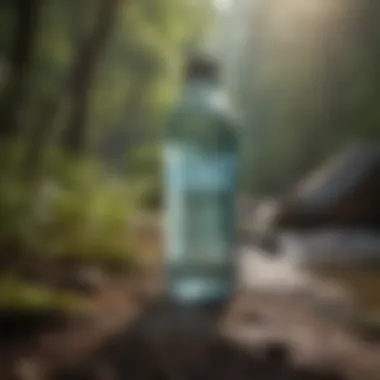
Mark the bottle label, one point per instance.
(199, 205)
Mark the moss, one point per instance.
(16, 294)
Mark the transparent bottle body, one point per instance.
(200, 181)
(200, 225)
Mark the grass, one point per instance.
(73, 212)
(16, 294)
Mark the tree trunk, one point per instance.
(76, 133)
(28, 12)
(77, 89)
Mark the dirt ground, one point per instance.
(261, 335)
(108, 312)
(119, 342)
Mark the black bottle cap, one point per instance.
(201, 67)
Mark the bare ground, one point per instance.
(115, 344)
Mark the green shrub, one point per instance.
(16, 294)
(75, 211)
(143, 166)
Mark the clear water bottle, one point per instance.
(200, 162)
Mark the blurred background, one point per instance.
(86, 87)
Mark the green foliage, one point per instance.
(90, 219)
(75, 211)
(139, 76)
(70, 208)
(143, 166)
(18, 295)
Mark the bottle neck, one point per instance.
(199, 88)
(196, 81)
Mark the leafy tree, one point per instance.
(90, 84)
(27, 15)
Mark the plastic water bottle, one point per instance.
(200, 161)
